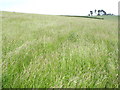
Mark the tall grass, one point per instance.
(0, 51)
(43, 51)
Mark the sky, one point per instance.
(59, 7)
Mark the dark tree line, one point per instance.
(98, 12)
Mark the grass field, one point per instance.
(45, 51)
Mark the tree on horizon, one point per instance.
(99, 12)
(91, 12)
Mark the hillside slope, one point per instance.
(54, 51)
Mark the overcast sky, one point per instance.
(59, 7)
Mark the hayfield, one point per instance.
(45, 51)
